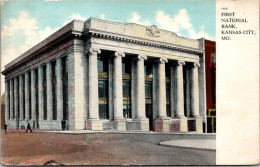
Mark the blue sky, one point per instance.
(24, 23)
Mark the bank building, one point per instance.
(102, 75)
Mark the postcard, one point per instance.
(109, 82)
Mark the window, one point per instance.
(54, 99)
(8, 88)
(127, 111)
(213, 58)
(103, 111)
(36, 93)
(168, 97)
(30, 97)
(148, 90)
(102, 64)
(102, 89)
(23, 96)
(126, 89)
(168, 110)
(103, 95)
(103, 86)
(65, 87)
(18, 98)
(168, 90)
(126, 66)
(13, 99)
(148, 67)
(44, 93)
(167, 70)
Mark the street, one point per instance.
(38, 148)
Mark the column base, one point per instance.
(179, 124)
(195, 124)
(94, 125)
(144, 125)
(199, 126)
(162, 125)
(120, 125)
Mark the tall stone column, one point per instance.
(179, 94)
(162, 123)
(33, 97)
(195, 91)
(117, 86)
(11, 98)
(49, 91)
(93, 122)
(179, 90)
(172, 90)
(7, 100)
(140, 93)
(16, 80)
(162, 88)
(40, 92)
(26, 95)
(118, 92)
(195, 97)
(140, 85)
(59, 89)
(93, 84)
(21, 97)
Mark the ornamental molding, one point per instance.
(153, 31)
(196, 64)
(181, 62)
(119, 54)
(140, 57)
(163, 60)
(93, 51)
(146, 42)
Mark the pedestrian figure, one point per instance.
(5, 127)
(28, 127)
(63, 124)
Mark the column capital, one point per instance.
(140, 57)
(196, 64)
(93, 51)
(163, 60)
(119, 54)
(181, 62)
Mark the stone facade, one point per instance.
(101, 75)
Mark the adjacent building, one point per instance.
(210, 65)
(102, 75)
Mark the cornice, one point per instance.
(141, 41)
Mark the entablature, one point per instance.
(135, 33)
(139, 48)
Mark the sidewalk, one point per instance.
(127, 132)
(204, 141)
(205, 144)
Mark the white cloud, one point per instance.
(24, 23)
(103, 16)
(166, 22)
(178, 22)
(76, 17)
(136, 18)
(26, 26)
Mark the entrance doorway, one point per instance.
(149, 115)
